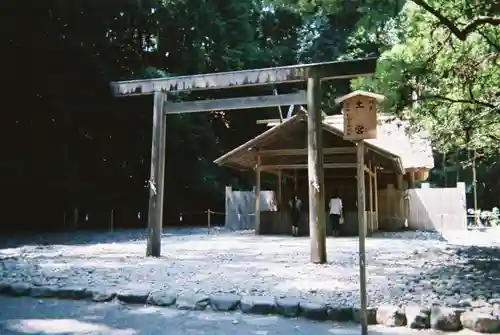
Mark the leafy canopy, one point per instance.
(444, 75)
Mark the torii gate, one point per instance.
(313, 74)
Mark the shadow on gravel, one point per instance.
(409, 235)
(90, 237)
(62, 317)
(29, 316)
(474, 270)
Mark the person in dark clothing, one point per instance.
(295, 204)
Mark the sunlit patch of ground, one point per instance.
(401, 267)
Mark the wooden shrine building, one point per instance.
(394, 161)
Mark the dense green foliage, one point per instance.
(442, 73)
(450, 81)
(67, 143)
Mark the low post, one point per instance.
(257, 195)
(362, 234)
(75, 218)
(112, 220)
(400, 188)
(370, 191)
(375, 186)
(474, 188)
(280, 190)
(208, 221)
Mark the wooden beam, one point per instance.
(280, 189)
(300, 152)
(305, 166)
(370, 198)
(275, 92)
(290, 111)
(157, 176)
(369, 171)
(255, 77)
(275, 172)
(257, 195)
(337, 177)
(399, 182)
(362, 235)
(317, 227)
(364, 67)
(295, 181)
(411, 179)
(266, 121)
(376, 197)
(323, 114)
(235, 103)
(400, 187)
(333, 119)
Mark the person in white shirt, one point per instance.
(336, 213)
(295, 205)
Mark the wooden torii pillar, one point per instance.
(257, 193)
(157, 176)
(315, 169)
(310, 73)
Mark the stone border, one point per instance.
(483, 320)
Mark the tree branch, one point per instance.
(463, 101)
(478, 102)
(489, 40)
(494, 137)
(439, 49)
(479, 21)
(488, 113)
(461, 34)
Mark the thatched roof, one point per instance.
(415, 150)
(292, 134)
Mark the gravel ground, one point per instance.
(402, 267)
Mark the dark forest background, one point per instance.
(66, 143)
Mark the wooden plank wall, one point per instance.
(240, 208)
(391, 209)
(437, 209)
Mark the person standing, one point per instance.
(336, 213)
(295, 205)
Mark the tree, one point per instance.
(441, 74)
(447, 78)
(463, 18)
(91, 150)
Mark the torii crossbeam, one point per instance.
(313, 74)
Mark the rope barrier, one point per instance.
(209, 214)
(483, 219)
(112, 215)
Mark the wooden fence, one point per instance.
(240, 207)
(437, 209)
(391, 209)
